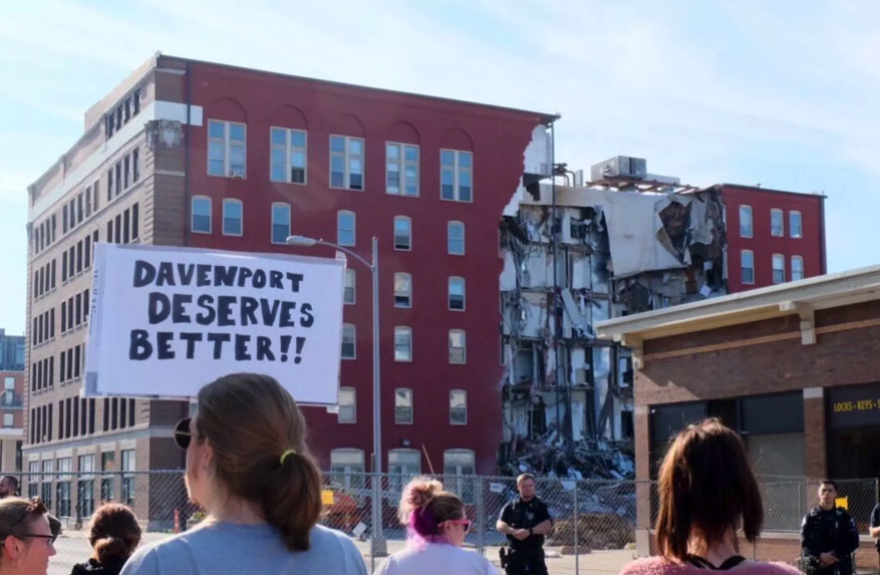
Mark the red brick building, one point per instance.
(188, 153)
(792, 368)
(773, 236)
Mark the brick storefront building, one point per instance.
(187, 153)
(792, 368)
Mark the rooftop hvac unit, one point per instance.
(619, 166)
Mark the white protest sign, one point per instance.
(166, 321)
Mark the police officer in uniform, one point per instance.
(525, 521)
(829, 536)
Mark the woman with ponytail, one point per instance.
(437, 525)
(248, 466)
(114, 536)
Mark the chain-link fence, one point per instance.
(598, 525)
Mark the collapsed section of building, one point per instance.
(573, 256)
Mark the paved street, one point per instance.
(73, 548)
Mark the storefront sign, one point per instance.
(854, 406)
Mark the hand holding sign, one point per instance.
(167, 317)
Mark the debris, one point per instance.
(595, 531)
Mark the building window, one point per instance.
(459, 462)
(456, 176)
(458, 407)
(747, 263)
(457, 346)
(349, 338)
(226, 149)
(201, 215)
(350, 285)
(403, 406)
(778, 268)
(345, 228)
(8, 420)
(797, 268)
(288, 156)
(402, 169)
(128, 468)
(33, 478)
(746, 229)
(233, 216)
(346, 163)
(402, 233)
(456, 294)
(403, 344)
(85, 487)
(347, 468)
(402, 290)
(455, 238)
(347, 405)
(777, 225)
(403, 465)
(63, 487)
(280, 223)
(46, 488)
(795, 224)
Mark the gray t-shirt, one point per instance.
(221, 548)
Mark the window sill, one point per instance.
(303, 184)
(347, 189)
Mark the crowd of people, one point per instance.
(248, 466)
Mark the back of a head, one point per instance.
(251, 422)
(707, 485)
(115, 532)
(424, 506)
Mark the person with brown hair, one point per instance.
(437, 526)
(114, 535)
(26, 541)
(248, 466)
(708, 492)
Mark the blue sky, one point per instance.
(780, 93)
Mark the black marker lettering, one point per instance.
(224, 310)
(295, 280)
(275, 278)
(287, 309)
(186, 272)
(249, 307)
(224, 276)
(159, 308)
(241, 347)
(166, 274)
(163, 342)
(179, 315)
(139, 347)
(219, 339)
(306, 318)
(144, 273)
(206, 302)
(264, 348)
(190, 339)
(203, 273)
(259, 279)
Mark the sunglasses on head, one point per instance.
(182, 434)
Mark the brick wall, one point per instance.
(773, 359)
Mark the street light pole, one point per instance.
(377, 538)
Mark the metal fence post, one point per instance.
(481, 517)
(577, 554)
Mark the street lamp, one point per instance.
(377, 538)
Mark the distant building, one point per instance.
(11, 352)
(11, 420)
(773, 236)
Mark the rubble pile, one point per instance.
(595, 531)
(585, 459)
